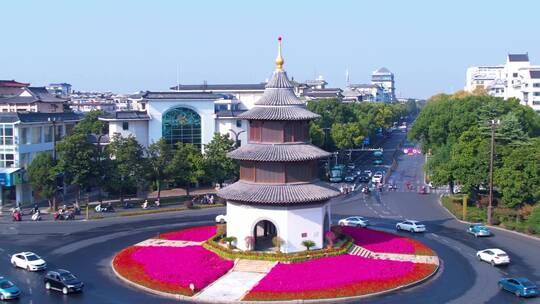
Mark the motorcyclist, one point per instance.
(16, 215)
(36, 216)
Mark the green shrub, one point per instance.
(308, 244)
(228, 253)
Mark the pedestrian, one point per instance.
(211, 199)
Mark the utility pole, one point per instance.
(493, 125)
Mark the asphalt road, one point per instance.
(86, 248)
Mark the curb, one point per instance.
(333, 300)
(490, 226)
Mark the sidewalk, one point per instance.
(166, 206)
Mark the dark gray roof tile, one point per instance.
(278, 152)
(278, 194)
(279, 113)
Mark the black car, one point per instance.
(363, 178)
(62, 280)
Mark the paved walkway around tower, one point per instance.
(237, 282)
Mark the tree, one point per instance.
(187, 165)
(470, 159)
(77, 160)
(308, 244)
(42, 176)
(90, 124)
(218, 166)
(128, 162)
(160, 155)
(518, 179)
(347, 135)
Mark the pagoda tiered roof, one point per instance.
(279, 113)
(278, 194)
(278, 103)
(278, 152)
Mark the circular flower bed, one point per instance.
(334, 277)
(195, 234)
(171, 269)
(185, 268)
(383, 242)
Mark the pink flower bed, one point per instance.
(171, 269)
(378, 241)
(338, 276)
(195, 234)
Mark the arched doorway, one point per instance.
(263, 232)
(181, 125)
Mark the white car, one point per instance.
(377, 178)
(29, 261)
(356, 221)
(493, 256)
(411, 226)
(221, 219)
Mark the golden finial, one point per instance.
(279, 59)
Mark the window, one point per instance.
(536, 85)
(181, 125)
(59, 130)
(48, 134)
(24, 139)
(36, 135)
(515, 75)
(143, 106)
(536, 94)
(6, 134)
(238, 123)
(7, 160)
(125, 125)
(69, 129)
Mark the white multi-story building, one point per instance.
(517, 78)
(385, 79)
(22, 136)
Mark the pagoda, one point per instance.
(279, 193)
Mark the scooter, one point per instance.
(392, 187)
(36, 216)
(104, 208)
(365, 190)
(16, 216)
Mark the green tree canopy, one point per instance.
(128, 162)
(519, 176)
(159, 155)
(187, 165)
(218, 167)
(42, 176)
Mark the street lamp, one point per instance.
(236, 134)
(493, 124)
(53, 122)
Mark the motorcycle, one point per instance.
(104, 208)
(36, 216)
(365, 190)
(16, 216)
(64, 216)
(392, 187)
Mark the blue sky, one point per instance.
(125, 46)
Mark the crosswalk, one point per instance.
(360, 251)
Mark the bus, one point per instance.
(378, 157)
(336, 173)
